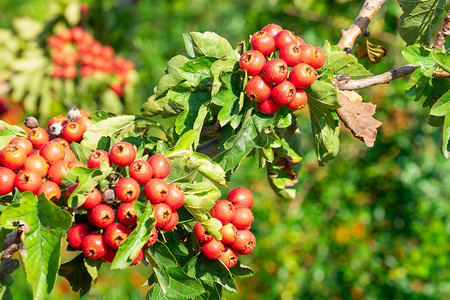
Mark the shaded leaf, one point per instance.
(442, 106)
(442, 59)
(77, 274)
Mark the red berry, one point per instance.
(243, 218)
(94, 246)
(152, 238)
(36, 163)
(229, 232)
(263, 42)
(6, 180)
(101, 216)
(85, 122)
(299, 40)
(156, 190)
(284, 37)
(141, 171)
(283, 92)
(162, 214)
(38, 137)
(72, 132)
(76, 235)
(95, 158)
(57, 171)
(258, 89)
(273, 29)
(65, 144)
(126, 214)
(93, 199)
(127, 189)
(275, 71)
(52, 152)
(137, 260)
(201, 233)
(57, 119)
(122, 154)
(51, 191)
(291, 54)
(160, 166)
(241, 196)
(223, 210)
(69, 156)
(229, 257)
(302, 75)
(213, 249)
(110, 254)
(320, 59)
(28, 181)
(299, 101)
(172, 222)
(268, 107)
(175, 196)
(245, 242)
(253, 62)
(309, 54)
(13, 157)
(115, 234)
(22, 142)
(76, 163)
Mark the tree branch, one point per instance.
(359, 26)
(443, 32)
(209, 148)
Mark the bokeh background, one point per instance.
(372, 224)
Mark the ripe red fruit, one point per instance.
(57, 170)
(122, 154)
(22, 142)
(299, 101)
(213, 249)
(229, 232)
(13, 157)
(70, 72)
(273, 29)
(137, 260)
(101, 216)
(110, 254)
(275, 70)
(268, 107)
(52, 151)
(152, 238)
(263, 42)
(127, 189)
(36, 163)
(69, 156)
(161, 167)
(94, 246)
(283, 92)
(38, 137)
(57, 119)
(162, 214)
(302, 75)
(229, 257)
(95, 158)
(85, 122)
(299, 40)
(245, 242)
(28, 181)
(156, 190)
(51, 191)
(243, 218)
(6, 180)
(258, 89)
(175, 196)
(291, 54)
(172, 222)
(320, 59)
(76, 235)
(141, 171)
(126, 214)
(72, 132)
(253, 62)
(76, 163)
(284, 37)
(223, 210)
(201, 233)
(93, 199)
(241, 196)
(309, 54)
(115, 234)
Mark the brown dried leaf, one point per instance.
(373, 53)
(357, 116)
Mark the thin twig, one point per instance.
(443, 32)
(359, 26)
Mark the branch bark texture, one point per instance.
(443, 32)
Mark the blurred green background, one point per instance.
(372, 224)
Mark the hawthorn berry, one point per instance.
(302, 75)
(126, 214)
(137, 260)
(291, 54)
(213, 249)
(141, 171)
(153, 237)
(275, 70)
(13, 157)
(175, 196)
(253, 62)
(156, 190)
(115, 234)
(283, 92)
(76, 234)
(268, 106)
(6, 180)
(76, 163)
(273, 29)
(52, 152)
(22, 142)
(101, 216)
(93, 199)
(38, 137)
(299, 101)
(72, 132)
(94, 246)
(283, 37)
(201, 233)
(122, 154)
(320, 59)
(172, 222)
(223, 210)
(95, 159)
(51, 190)
(245, 242)
(36, 163)
(57, 119)
(241, 196)
(229, 257)
(28, 181)
(57, 170)
(258, 89)
(162, 214)
(161, 167)
(263, 42)
(127, 189)
(229, 232)
(85, 122)
(110, 254)
(309, 54)
(243, 218)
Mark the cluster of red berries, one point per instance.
(75, 48)
(42, 158)
(278, 85)
(110, 215)
(236, 217)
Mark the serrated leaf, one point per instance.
(219, 67)
(442, 106)
(108, 127)
(172, 78)
(77, 274)
(93, 266)
(442, 59)
(418, 55)
(197, 70)
(338, 62)
(418, 19)
(192, 103)
(211, 44)
(47, 226)
(130, 248)
(323, 94)
(373, 53)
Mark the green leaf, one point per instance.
(442, 106)
(211, 44)
(108, 127)
(81, 152)
(323, 94)
(338, 62)
(192, 103)
(172, 78)
(442, 59)
(446, 136)
(72, 13)
(418, 19)
(240, 270)
(4, 140)
(129, 249)
(47, 226)
(418, 55)
(101, 115)
(77, 274)
(218, 68)
(196, 71)
(6, 129)
(420, 83)
(92, 266)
